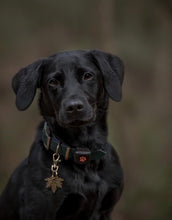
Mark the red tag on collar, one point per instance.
(82, 156)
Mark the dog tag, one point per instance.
(82, 156)
(54, 182)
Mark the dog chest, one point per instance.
(85, 196)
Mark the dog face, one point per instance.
(73, 85)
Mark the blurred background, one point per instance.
(138, 31)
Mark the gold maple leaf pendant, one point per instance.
(54, 182)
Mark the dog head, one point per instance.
(74, 85)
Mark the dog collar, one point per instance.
(80, 155)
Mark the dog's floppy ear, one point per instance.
(25, 83)
(112, 69)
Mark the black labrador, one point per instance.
(72, 172)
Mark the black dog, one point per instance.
(71, 172)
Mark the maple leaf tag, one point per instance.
(54, 182)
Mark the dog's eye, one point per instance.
(53, 82)
(87, 76)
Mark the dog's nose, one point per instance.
(74, 106)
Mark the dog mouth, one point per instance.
(76, 123)
(79, 123)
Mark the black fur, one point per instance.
(75, 87)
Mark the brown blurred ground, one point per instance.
(140, 32)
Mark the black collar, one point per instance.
(80, 155)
